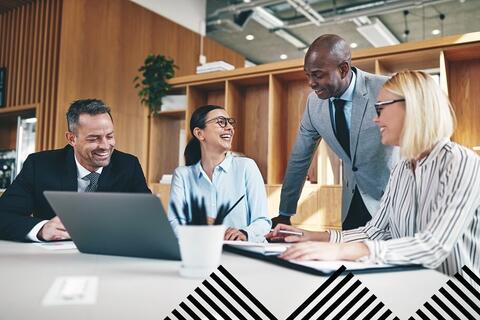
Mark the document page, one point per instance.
(60, 245)
(263, 248)
(329, 266)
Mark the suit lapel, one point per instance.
(359, 105)
(69, 174)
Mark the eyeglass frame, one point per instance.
(380, 105)
(221, 119)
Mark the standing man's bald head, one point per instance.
(328, 66)
(332, 47)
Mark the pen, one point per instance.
(238, 201)
(292, 233)
(222, 213)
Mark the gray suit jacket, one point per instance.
(369, 167)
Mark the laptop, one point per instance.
(121, 224)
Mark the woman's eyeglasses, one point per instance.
(381, 104)
(222, 121)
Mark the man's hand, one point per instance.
(234, 234)
(53, 230)
(281, 219)
(276, 235)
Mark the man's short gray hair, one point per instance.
(88, 106)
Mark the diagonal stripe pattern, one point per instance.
(342, 298)
(221, 296)
(459, 300)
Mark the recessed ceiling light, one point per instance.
(435, 32)
(353, 45)
(246, 1)
(283, 56)
(250, 37)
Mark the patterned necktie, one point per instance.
(341, 128)
(93, 178)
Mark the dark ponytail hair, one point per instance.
(193, 152)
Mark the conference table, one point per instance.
(136, 288)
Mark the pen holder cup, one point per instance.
(200, 248)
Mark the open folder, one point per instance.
(269, 251)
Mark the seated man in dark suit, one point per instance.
(88, 163)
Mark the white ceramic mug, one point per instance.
(200, 248)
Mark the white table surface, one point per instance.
(133, 288)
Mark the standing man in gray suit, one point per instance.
(340, 110)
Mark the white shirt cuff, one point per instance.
(32, 235)
(335, 236)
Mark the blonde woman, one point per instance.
(429, 212)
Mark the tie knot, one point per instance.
(93, 178)
(339, 104)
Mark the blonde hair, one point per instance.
(429, 116)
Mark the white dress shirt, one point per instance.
(81, 186)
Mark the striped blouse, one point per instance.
(429, 217)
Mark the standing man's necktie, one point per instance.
(93, 178)
(341, 129)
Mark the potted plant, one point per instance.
(152, 84)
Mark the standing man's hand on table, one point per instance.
(53, 230)
(286, 233)
(280, 219)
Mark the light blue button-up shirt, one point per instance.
(347, 108)
(233, 178)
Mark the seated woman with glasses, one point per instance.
(213, 174)
(429, 211)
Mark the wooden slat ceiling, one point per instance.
(7, 5)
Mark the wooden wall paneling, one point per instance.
(29, 51)
(164, 148)
(297, 94)
(416, 60)
(103, 43)
(216, 97)
(277, 110)
(381, 69)
(8, 133)
(319, 207)
(215, 52)
(367, 65)
(163, 192)
(234, 107)
(443, 72)
(255, 125)
(464, 81)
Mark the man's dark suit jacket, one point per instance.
(23, 205)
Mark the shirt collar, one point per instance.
(348, 94)
(224, 165)
(82, 172)
(432, 155)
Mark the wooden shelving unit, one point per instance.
(8, 124)
(268, 102)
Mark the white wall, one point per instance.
(188, 13)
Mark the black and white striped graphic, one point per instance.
(221, 296)
(458, 299)
(342, 298)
